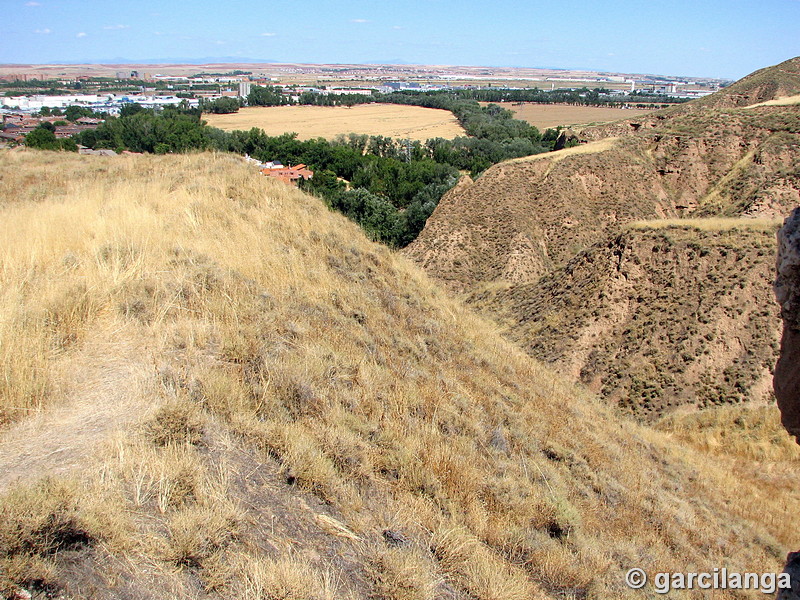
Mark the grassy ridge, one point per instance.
(309, 416)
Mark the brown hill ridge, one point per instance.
(527, 218)
(764, 85)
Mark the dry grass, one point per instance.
(590, 148)
(404, 574)
(286, 578)
(308, 122)
(550, 116)
(751, 433)
(787, 101)
(709, 224)
(298, 370)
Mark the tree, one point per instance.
(73, 113)
(220, 105)
(43, 138)
(266, 96)
(130, 109)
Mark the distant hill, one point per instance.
(765, 84)
(515, 240)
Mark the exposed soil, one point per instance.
(107, 385)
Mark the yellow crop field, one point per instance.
(544, 116)
(309, 122)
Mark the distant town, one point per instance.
(27, 89)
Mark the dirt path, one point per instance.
(110, 381)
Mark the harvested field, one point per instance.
(309, 122)
(544, 116)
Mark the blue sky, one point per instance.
(715, 38)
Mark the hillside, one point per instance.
(770, 83)
(213, 387)
(534, 240)
(652, 318)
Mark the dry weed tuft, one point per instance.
(286, 578)
(197, 533)
(178, 422)
(403, 574)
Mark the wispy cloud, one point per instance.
(111, 27)
(359, 21)
(398, 27)
(269, 34)
(81, 34)
(32, 3)
(45, 31)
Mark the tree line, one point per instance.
(388, 186)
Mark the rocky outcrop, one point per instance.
(793, 569)
(565, 139)
(787, 291)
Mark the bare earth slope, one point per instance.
(532, 218)
(654, 318)
(282, 409)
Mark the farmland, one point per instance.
(544, 116)
(310, 122)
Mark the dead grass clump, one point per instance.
(43, 519)
(177, 422)
(560, 569)
(305, 460)
(297, 395)
(198, 533)
(224, 393)
(403, 574)
(164, 478)
(285, 578)
(473, 567)
(25, 384)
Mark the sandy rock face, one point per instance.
(787, 291)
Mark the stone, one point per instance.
(786, 382)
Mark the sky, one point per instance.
(702, 38)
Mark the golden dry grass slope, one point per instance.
(216, 388)
(308, 122)
(652, 316)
